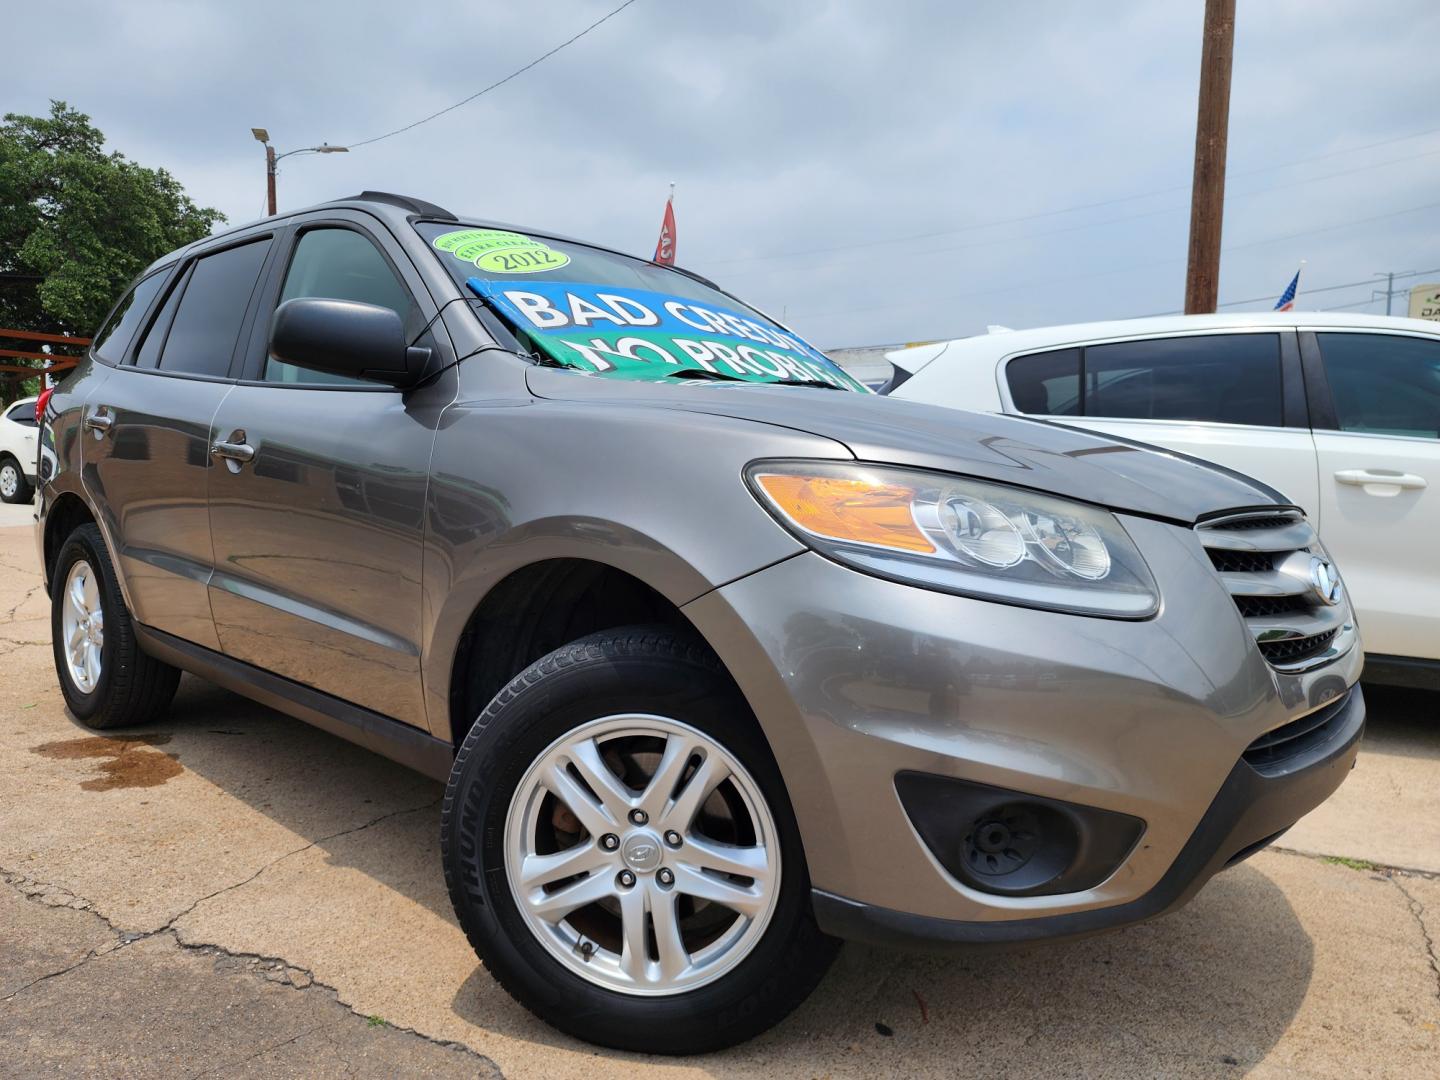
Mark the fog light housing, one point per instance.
(1011, 844)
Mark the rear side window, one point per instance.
(115, 336)
(1221, 378)
(1047, 384)
(1225, 378)
(212, 307)
(23, 413)
(1383, 384)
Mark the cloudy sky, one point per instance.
(876, 172)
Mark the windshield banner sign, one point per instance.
(638, 334)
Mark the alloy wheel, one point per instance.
(82, 623)
(642, 855)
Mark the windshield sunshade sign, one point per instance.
(639, 334)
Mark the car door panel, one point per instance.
(147, 473)
(1379, 464)
(318, 538)
(319, 535)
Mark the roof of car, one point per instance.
(1004, 342)
(403, 209)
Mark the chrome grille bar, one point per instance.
(1264, 559)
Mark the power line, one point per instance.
(1304, 291)
(1022, 237)
(1358, 303)
(1104, 202)
(1117, 270)
(480, 93)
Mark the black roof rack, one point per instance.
(405, 202)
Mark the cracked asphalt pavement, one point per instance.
(229, 892)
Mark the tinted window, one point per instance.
(23, 413)
(1383, 384)
(1227, 379)
(1047, 384)
(148, 355)
(207, 322)
(114, 338)
(339, 264)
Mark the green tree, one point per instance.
(77, 224)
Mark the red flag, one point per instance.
(665, 246)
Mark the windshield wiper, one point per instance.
(720, 376)
(703, 373)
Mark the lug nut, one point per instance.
(609, 841)
(665, 877)
(638, 817)
(672, 838)
(627, 879)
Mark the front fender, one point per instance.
(655, 493)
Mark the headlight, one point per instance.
(963, 536)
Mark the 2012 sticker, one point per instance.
(499, 251)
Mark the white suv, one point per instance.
(1339, 412)
(18, 431)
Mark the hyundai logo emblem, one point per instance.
(1324, 580)
(641, 852)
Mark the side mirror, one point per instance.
(344, 337)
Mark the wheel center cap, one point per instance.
(642, 852)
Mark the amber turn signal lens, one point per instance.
(848, 509)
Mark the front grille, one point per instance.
(1271, 751)
(1261, 521)
(1251, 606)
(1242, 562)
(1293, 650)
(1265, 559)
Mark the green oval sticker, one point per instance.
(502, 252)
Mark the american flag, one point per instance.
(1287, 298)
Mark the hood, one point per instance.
(1091, 467)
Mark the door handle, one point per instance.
(101, 420)
(1381, 483)
(234, 451)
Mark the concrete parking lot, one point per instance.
(230, 892)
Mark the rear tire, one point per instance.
(632, 699)
(14, 488)
(107, 681)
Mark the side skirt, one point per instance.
(1417, 674)
(399, 742)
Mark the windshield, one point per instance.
(608, 314)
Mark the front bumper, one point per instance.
(856, 681)
(1251, 810)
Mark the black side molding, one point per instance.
(411, 747)
(1417, 674)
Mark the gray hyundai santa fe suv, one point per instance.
(721, 657)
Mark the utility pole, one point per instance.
(1390, 290)
(1207, 197)
(271, 158)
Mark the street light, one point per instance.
(263, 136)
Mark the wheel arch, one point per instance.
(67, 512)
(534, 609)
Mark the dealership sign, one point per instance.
(1425, 302)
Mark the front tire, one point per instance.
(14, 488)
(621, 853)
(107, 681)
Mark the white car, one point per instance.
(1339, 412)
(18, 438)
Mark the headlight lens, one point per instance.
(959, 535)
